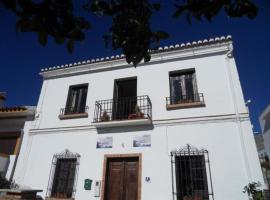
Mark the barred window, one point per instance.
(62, 183)
(190, 172)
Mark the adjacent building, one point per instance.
(264, 120)
(263, 144)
(173, 128)
(12, 126)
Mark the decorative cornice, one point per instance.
(195, 48)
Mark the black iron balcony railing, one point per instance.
(127, 108)
(73, 110)
(185, 99)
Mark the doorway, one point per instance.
(122, 178)
(124, 98)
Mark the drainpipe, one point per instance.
(16, 158)
(229, 55)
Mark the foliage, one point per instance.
(130, 31)
(54, 18)
(252, 189)
(4, 183)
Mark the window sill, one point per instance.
(73, 116)
(185, 105)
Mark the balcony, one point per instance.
(124, 111)
(185, 101)
(73, 112)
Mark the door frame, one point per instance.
(109, 156)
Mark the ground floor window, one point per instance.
(63, 175)
(191, 172)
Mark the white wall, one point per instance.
(228, 167)
(152, 80)
(222, 127)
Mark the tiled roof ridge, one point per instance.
(13, 109)
(160, 49)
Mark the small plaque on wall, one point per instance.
(104, 142)
(87, 184)
(142, 141)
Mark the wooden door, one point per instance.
(122, 179)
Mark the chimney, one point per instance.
(3, 96)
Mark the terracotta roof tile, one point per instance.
(187, 45)
(12, 109)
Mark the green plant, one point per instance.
(137, 109)
(252, 189)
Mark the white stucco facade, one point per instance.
(222, 126)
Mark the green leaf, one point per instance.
(162, 35)
(59, 39)
(70, 46)
(42, 38)
(156, 6)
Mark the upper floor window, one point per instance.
(76, 101)
(183, 86)
(183, 89)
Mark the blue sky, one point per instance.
(21, 57)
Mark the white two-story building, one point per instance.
(173, 128)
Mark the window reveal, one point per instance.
(183, 87)
(76, 99)
(63, 175)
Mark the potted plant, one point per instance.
(105, 117)
(138, 114)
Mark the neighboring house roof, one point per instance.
(18, 111)
(188, 45)
(12, 109)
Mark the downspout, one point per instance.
(229, 55)
(16, 158)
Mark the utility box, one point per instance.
(87, 184)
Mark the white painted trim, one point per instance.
(156, 123)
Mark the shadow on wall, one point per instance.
(125, 129)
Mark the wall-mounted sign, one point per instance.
(104, 142)
(142, 141)
(87, 184)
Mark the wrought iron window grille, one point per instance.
(185, 99)
(191, 174)
(73, 110)
(74, 161)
